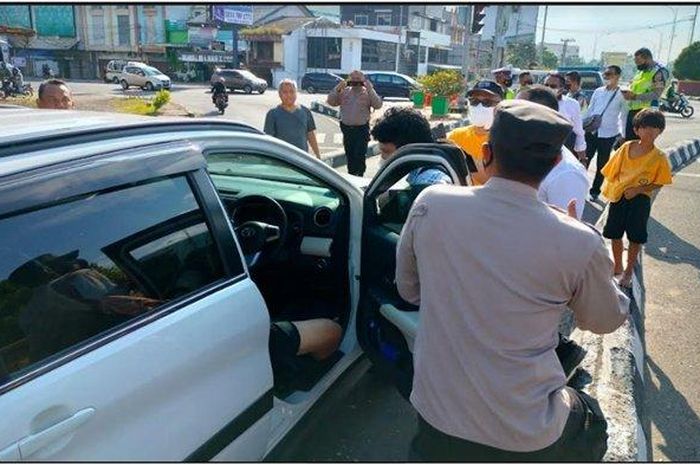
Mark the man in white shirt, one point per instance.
(568, 180)
(571, 110)
(608, 102)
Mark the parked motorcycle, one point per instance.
(221, 102)
(47, 72)
(9, 90)
(680, 105)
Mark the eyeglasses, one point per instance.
(476, 101)
(552, 86)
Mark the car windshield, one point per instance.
(151, 71)
(248, 74)
(257, 167)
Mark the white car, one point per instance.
(145, 77)
(141, 263)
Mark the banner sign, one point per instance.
(234, 14)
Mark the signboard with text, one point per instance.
(234, 14)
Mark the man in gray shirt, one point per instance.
(356, 97)
(493, 269)
(291, 122)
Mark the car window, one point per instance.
(94, 263)
(398, 80)
(589, 82)
(222, 166)
(235, 74)
(383, 78)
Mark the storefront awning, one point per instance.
(52, 43)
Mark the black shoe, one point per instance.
(570, 355)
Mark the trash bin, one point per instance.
(418, 98)
(439, 105)
(428, 98)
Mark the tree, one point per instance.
(687, 65)
(549, 60)
(521, 55)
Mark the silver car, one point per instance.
(145, 77)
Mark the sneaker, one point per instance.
(570, 355)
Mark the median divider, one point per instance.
(337, 158)
(613, 370)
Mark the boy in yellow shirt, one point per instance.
(633, 172)
(483, 98)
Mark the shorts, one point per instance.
(630, 217)
(284, 341)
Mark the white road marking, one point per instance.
(690, 175)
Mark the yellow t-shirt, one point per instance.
(470, 138)
(622, 172)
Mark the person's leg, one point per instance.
(361, 148)
(617, 249)
(614, 230)
(354, 162)
(347, 146)
(570, 355)
(640, 208)
(591, 147)
(604, 148)
(319, 337)
(585, 436)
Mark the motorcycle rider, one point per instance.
(17, 80)
(671, 95)
(219, 88)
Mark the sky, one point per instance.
(619, 28)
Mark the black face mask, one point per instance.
(643, 67)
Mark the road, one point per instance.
(672, 275)
(248, 108)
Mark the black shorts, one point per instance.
(284, 340)
(630, 217)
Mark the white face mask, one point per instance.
(606, 82)
(481, 116)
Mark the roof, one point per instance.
(52, 43)
(265, 17)
(286, 24)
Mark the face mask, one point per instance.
(642, 67)
(606, 82)
(481, 116)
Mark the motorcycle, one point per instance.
(221, 102)
(9, 89)
(47, 72)
(680, 106)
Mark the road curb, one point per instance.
(337, 158)
(616, 361)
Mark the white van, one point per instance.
(114, 69)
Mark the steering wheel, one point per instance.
(260, 241)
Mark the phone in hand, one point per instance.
(355, 83)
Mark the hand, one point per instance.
(581, 155)
(631, 192)
(629, 95)
(341, 85)
(571, 208)
(368, 84)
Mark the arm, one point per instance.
(375, 100)
(269, 127)
(335, 94)
(580, 145)
(311, 137)
(407, 279)
(598, 304)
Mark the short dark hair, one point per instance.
(557, 76)
(574, 76)
(524, 73)
(615, 69)
(643, 52)
(401, 126)
(649, 118)
(540, 94)
(50, 82)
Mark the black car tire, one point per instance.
(247, 89)
(261, 91)
(125, 85)
(310, 89)
(149, 86)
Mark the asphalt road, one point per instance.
(672, 277)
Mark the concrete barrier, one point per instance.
(337, 158)
(613, 370)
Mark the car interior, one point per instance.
(293, 230)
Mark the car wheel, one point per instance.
(247, 89)
(115, 80)
(125, 85)
(311, 89)
(149, 86)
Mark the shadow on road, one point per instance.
(673, 416)
(666, 246)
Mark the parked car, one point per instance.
(591, 79)
(319, 82)
(143, 262)
(240, 79)
(114, 68)
(145, 77)
(389, 84)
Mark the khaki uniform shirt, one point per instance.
(493, 269)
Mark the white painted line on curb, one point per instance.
(690, 175)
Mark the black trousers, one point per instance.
(355, 141)
(629, 131)
(602, 145)
(584, 439)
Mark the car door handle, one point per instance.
(37, 441)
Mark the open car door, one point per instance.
(386, 324)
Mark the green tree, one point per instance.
(549, 60)
(521, 55)
(687, 65)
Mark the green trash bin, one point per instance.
(418, 98)
(439, 105)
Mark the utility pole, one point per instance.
(692, 31)
(544, 27)
(673, 33)
(563, 51)
(466, 43)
